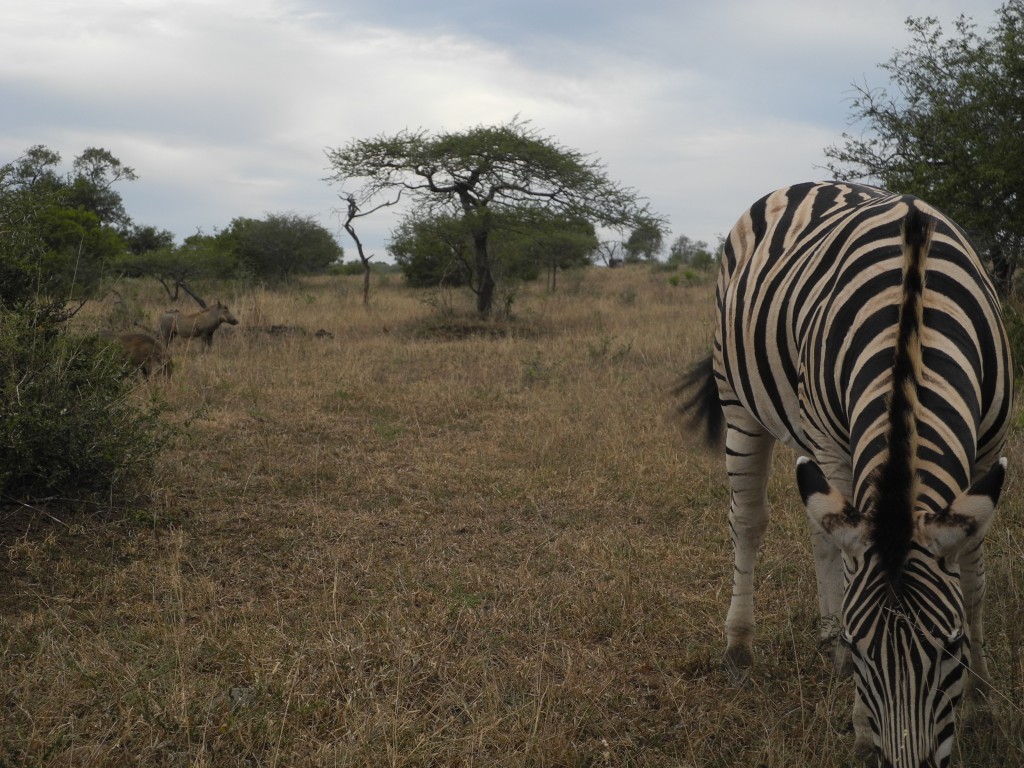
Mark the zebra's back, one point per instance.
(808, 294)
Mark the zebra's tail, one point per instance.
(897, 483)
(698, 392)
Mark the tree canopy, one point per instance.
(79, 222)
(691, 253)
(281, 245)
(951, 132)
(432, 251)
(475, 173)
(645, 242)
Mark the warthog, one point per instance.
(174, 323)
(145, 352)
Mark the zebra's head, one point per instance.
(903, 618)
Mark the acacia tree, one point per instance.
(485, 170)
(952, 131)
(174, 267)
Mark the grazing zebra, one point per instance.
(859, 327)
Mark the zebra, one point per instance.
(859, 327)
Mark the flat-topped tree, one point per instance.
(483, 170)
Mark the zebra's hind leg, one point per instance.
(748, 455)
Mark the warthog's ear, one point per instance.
(966, 520)
(828, 511)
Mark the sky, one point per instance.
(225, 108)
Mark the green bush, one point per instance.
(1013, 318)
(346, 268)
(71, 431)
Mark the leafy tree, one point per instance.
(141, 239)
(77, 215)
(539, 239)
(433, 250)
(94, 173)
(951, 133)
(645, 242)
(479, 172)
(78, 250)
(199, 257)
(20, 235)
(35, 172)
(690, 253)
(281, 245)
(69, 431)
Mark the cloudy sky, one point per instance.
(224, 107)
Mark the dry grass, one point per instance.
(397, 547)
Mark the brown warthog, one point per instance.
(145, 352)
(174, 323)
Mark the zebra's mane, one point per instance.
(896, 483)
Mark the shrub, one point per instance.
(1013, 317)
(70, 429)
(346, 268)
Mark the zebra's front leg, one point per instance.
(748, 459)
(972, 580)
(828, 571)
(828, 560)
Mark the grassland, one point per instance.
(421, 543)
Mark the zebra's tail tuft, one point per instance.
(698, 392)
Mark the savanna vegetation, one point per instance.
(403, 545)
(947, 128)
(451, 521)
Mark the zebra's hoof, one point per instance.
(843, 662)
(737, 664)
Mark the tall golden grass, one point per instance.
(420, 542)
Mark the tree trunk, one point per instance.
(485, 280)
(190, 292)
(353, 214)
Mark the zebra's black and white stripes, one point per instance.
(859, 327)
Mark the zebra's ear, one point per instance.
(968, 517)
(828, 510)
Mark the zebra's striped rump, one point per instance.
(859, 327)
